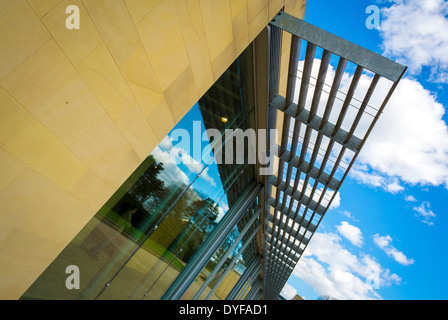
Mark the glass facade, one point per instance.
(229, 251)
(234, 273)
(139, 242)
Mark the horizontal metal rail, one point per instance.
(337, 45)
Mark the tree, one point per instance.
(198, 217)
(149, 185)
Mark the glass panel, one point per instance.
(221, 254)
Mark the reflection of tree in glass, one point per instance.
(197, 217)
(185, 226)
(149, 188)
(146, 193)
(219, 254)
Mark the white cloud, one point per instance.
(221, 213)
(333, 271)
(288, 292)
(409, 144)
(171, 173)
(348, 214)
(204, 175)
(166, 150)
(362, 173)
(224, 205)
(425, 213)
(352, 233)
(384, 243)
(394, 186)
(415, 32)
(336, 200)
(166, 143)
(194, 166)
(410, 198)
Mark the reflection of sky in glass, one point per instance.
(209, 181)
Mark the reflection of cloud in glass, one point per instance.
(166, 143)
(186, 159)
(222, 207)
(225, 206)
(193, 165)
(172, 173)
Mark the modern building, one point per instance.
(126, 165)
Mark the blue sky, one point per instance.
(189, 161)
(392, 214)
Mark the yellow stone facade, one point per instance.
(81, 109)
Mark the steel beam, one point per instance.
(232, 264)
(350, 51)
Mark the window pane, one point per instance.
(235, 274)
(166, 252)
(222, 257)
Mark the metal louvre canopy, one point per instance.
(324, 129)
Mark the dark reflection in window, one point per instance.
(140, 240)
